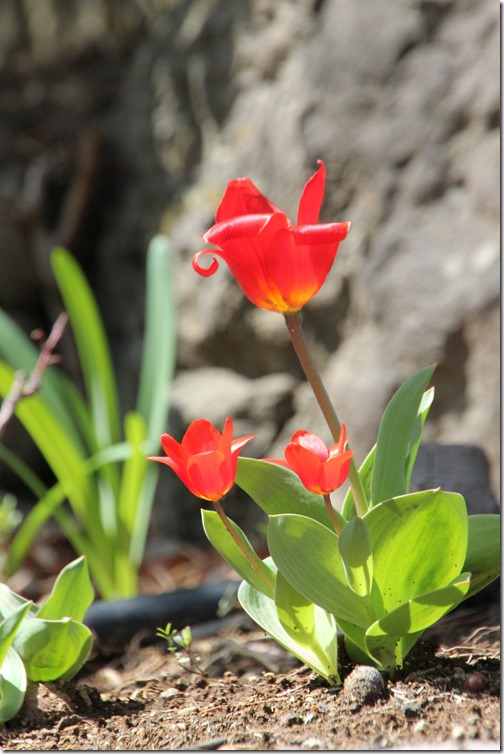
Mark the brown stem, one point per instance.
(312, 375)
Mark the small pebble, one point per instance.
(475, 683)
(364, 684)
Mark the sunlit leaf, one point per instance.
(398, 430)
(250, 568)
(277, 489)
(307, 554)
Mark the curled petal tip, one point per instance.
(206, 272)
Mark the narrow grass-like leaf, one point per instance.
(91, 342)
(277, 489)
(21, 353)
(56, 445)
(397, 429)
(159, 346)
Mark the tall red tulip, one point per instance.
(205, 461)
(321, 469)
(279, 266)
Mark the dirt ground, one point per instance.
(254, 696)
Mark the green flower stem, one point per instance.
(293, 323)
(225, 520)
(330, 510)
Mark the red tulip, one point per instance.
(205, 461)
(321, 469)
(279, 266)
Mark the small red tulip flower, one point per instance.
(321, 469)
(279, 266)
(205, 461)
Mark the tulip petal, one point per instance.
(312, 443)
(210, 474)
(306, 465)
(335, 471)
(201, 436)
(242, 197)
(312, 196)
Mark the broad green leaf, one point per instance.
(92, 346)
(413, 617)
(295, 612)
(365, 473)
(306, 552)
(307, 624)
(419, 543)
(326, 630)
(8, 628)
(12, 685)
(416, 434)
(355, 549)
(52, 649)
(71, 594)
(277, 489)
(10, 602)
(159, 346)
(263, 611)
(483, 550)
(398, 429)
(250, 568)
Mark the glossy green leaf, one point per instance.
(306, 552)
(355, 549)
(398, 429)
(52, 649)
(483, 550)
(12, 685)
(277, 489)
(416, 433)
(413, 617)
(419, 543)
(71, 594)
(250, 568)
(365, 473)
(10, 602)
(9, 626)
(263, 611)
(295, 612)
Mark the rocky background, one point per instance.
(119, 120)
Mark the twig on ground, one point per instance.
(23, 388)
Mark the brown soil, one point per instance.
(256, 697)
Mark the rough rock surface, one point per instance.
(400, 100)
